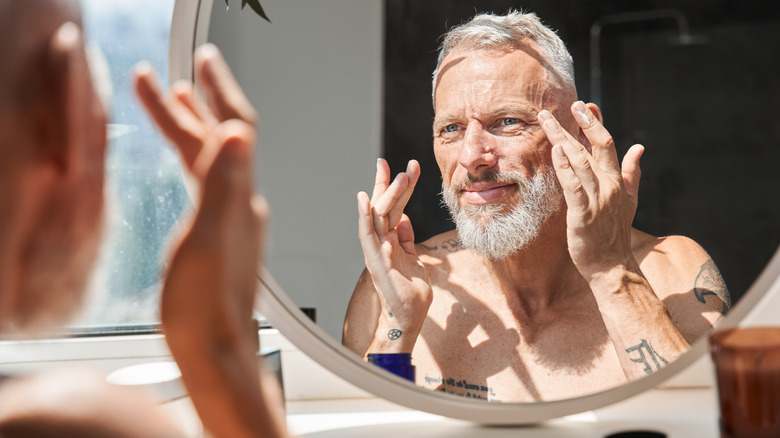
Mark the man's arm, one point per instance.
(601, 200)
(360, 323)
(395, 273)
(209, 292)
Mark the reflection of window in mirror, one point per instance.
(145, 192)
(701, 108)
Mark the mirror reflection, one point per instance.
(547, 339)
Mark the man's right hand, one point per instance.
(399, 277)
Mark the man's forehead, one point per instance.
(517, 69)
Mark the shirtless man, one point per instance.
(52, 153)
(545, 291)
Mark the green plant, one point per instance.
(255, 5)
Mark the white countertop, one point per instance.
(679, 413)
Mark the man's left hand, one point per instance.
(601, 198)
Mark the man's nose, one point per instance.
(477, 152)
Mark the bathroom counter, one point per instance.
(679, 413)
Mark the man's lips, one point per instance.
(486, 192)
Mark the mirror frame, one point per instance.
(189, 29)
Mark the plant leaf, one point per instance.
(255, 5)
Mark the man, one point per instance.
(545, 291)
(52, 149)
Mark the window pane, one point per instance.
(145, 192)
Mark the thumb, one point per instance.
(631, 172)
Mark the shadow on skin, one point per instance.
(558, 345)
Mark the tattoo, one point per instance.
(462, 387)
(645, 359)
(710, 282)
(389, 314)
(394, 334)
(450, 245)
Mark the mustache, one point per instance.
(490, 177)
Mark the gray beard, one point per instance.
(494, 234)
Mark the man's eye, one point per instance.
(509, 121)
(451, 128)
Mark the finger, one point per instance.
(225, 96)
(412, 174)
(406, 235)
(603, 145)
(631, 172)
(369, 241)
(226, 164)
(573, 192)
(578, 158)
(176, 122)
(381, 180)
(386, 202)
(184, 92)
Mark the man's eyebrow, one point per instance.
(515, 109)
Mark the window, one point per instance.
(145, 193)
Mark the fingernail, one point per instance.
(552, 125)
(378, 163)
(582, 112)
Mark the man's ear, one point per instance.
(597, 114)
(66, 78)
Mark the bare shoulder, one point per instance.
(668, 256)
(439, 246)
(685, 278)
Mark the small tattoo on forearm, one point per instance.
(646, 355)
(394, 334)
(389, 314)
(710, 282)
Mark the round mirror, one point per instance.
(341, 83)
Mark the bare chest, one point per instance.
(479, 349)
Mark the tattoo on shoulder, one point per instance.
(710, 282)
(450, 245)
(394, 334)
(462, 387)
(647, 356)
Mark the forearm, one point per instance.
(223, 379)
(644, 336)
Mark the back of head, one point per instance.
(52, 142)
(509, 32)
(25, 30)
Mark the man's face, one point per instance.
(493, 155)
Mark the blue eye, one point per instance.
(509, 121)
(451, 128)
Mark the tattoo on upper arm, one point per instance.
(710, 282)
(450, 245)
(394, 334)
(647, 355)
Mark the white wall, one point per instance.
(314, 74)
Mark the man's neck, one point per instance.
(541, 273)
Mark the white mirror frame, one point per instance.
(189, 29)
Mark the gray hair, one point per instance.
(488, 31)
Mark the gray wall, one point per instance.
(315, 76)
